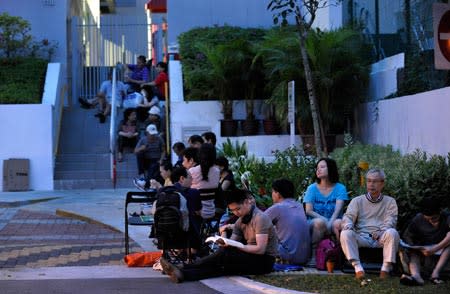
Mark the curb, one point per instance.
(261, 287)
(69, 214)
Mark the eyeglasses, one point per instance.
(375, 181)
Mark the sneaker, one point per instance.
(140, 184)
(171, 270)
(84, 104)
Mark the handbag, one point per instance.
(132, 100)
(140, 259)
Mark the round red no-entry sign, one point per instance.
(443, 35)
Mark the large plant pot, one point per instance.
(250, 127)
(228, 127)
(271, 127)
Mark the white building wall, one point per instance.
(410, 122)
(383, 76)
(46, 21)
(27, 133)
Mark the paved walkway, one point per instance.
(69, 234)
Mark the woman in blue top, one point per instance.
(324, 201)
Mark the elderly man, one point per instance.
(370, 221)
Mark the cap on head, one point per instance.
(151, 129)
(154, 110)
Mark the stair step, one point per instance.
(92, 184)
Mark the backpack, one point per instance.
(327, 249)
(171, 213)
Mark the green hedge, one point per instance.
(196, 69)
(409, 178)
(22, 80)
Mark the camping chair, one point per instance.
(137, 197)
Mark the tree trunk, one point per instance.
(315, 114)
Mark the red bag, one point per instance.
(327, 249)
(142, 258)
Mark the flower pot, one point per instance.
(271, 127)
(250, 127)
(228, 127)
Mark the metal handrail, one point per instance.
(112, 130)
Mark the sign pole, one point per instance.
(291, 111)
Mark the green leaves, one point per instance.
(22, 80)
(409, 178)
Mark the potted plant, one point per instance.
(225, 74)
(270, 124)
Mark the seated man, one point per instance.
(182, 180)
(104, 98)
(431, 229)
(150, 151)
(289, 219)
(370, 221)
(257, 256)
(136, 74)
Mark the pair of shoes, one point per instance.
(140, 184)
(360, 275)
(384, 275)
(84, 104)
(409, 281)
(436, 281)
(171, 270)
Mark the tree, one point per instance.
(13, 34)
(304, 12)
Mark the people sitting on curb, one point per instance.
(150, 151)
(370, 221)
(136, 74)
(160, 82)
(178, 148)
(190, 157)
(206, 175)
(430, 230)
(149, 100)
(324, 201)
(289, 219)
(195, 141)
(256, 256)
(182, 180)
(103, 98)
(128, 133)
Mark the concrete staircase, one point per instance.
(83, 159)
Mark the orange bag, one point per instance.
(142, 258)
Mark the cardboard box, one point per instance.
(16, 174)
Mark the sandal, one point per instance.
(409, 281)
(436, 281)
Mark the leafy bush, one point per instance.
(259, 175)
(409, 178)
(22, 80)
(197, 69)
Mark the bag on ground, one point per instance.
(327, 249)
(142, 258)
